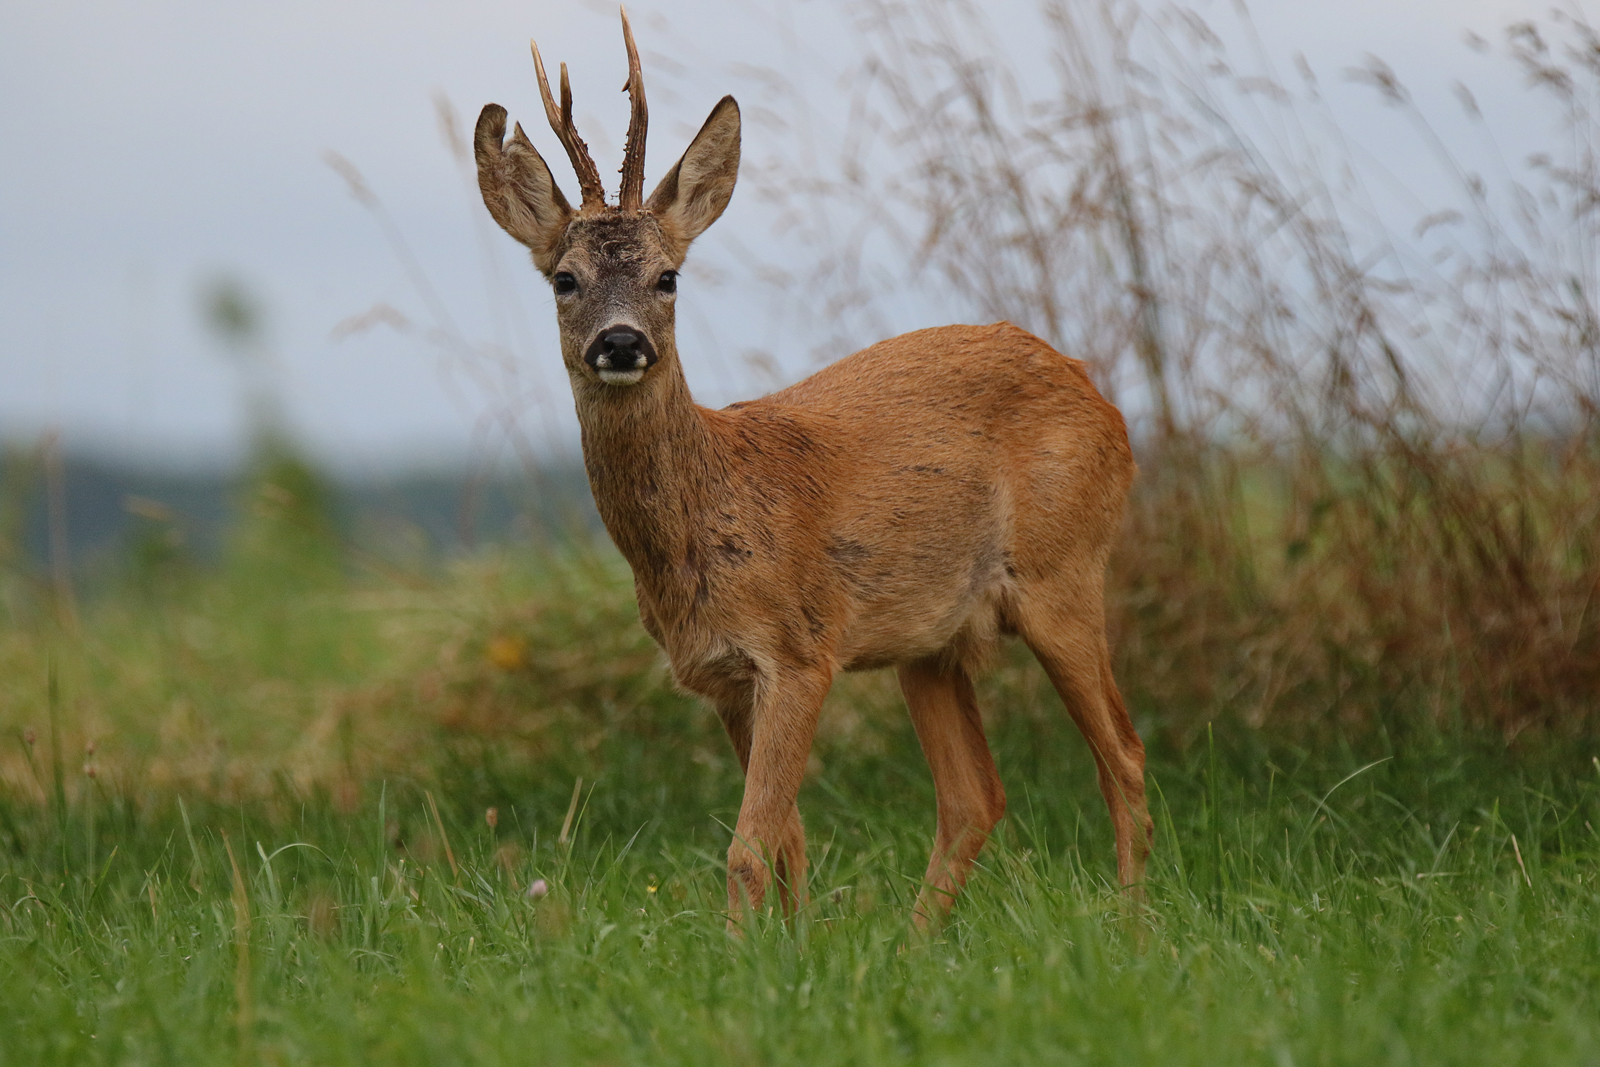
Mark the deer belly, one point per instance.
(964, 624)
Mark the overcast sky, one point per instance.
(151, 147)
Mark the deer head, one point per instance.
(613, 268)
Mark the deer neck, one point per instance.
(654, 468)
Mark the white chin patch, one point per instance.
(621, 377)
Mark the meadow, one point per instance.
(308, 800)
(247, 824)
(280, 812)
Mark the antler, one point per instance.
(594, 194)
(632, 196)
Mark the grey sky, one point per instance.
(151, 146)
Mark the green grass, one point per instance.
(1330, 910)
(1403, 897)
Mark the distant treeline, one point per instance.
(96, 507)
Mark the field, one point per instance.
(246, 819)
(311, 799)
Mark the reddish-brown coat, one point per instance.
(904, 507)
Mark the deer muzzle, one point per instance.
(620, 355)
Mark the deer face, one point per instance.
(613, 269)
(615, 281)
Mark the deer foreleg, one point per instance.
(768, 839)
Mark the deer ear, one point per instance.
(518, 189)
(699, 185)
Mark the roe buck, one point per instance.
(905, 507)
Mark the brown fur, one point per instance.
(906, 506)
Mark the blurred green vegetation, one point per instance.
(245, 814)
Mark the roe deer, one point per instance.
(905, 507)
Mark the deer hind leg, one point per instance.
(944, 712)
(771, 733)
(1068, 635)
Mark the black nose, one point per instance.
(621, 348)
(621, 345)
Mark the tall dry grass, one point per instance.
(1371, 468)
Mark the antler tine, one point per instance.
(594, 193)
(632, 195)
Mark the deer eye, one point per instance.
(668, 282)
(565, 283)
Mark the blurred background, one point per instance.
(1337, 263)
(158, 151)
